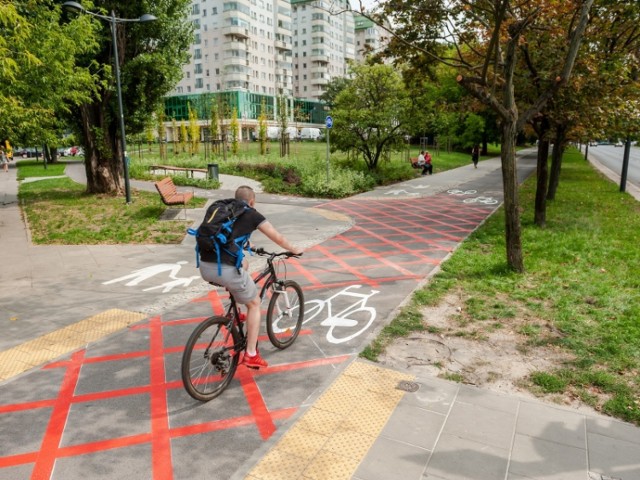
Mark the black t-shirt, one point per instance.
(246, 223)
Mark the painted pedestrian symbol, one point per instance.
(138, 276)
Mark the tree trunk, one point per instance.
(540, 215)
(513, 232)
(556, 161)
(102, 151)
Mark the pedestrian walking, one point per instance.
(475, 155)
(4, 160)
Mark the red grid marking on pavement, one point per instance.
(161, 433)
(49, 449)
(412, 229)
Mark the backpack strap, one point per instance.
(194, 232)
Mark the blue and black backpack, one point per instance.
(215, 233)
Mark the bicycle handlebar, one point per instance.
(263, 252)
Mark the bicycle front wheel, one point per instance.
(210, 358)
(285, 314)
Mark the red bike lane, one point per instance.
(117, 409)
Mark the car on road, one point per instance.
(619, 144)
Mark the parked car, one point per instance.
(619, 144)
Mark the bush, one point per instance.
(342, 183)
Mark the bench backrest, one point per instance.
(166, 187)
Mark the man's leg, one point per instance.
(253, 325)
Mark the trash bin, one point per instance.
(213, 171)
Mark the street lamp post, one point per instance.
(113, 20)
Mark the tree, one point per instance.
(194, 132)
(162, 133)
(262, 128)
(184, 137)
(39, 79)
(282, 118)
(486, 36)
(235, 129)
(175, 135)
(372, 113)
(151, 59)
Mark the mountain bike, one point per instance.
(212, 352)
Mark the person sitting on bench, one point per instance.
(424, 161)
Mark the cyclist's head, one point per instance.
(246, 194)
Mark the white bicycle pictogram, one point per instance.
(485, 200)
(457, 191)
(357, 315)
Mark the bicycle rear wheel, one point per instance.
(209, 360)
(285, 314)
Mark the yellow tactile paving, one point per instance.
(48, 347)
(330, 440)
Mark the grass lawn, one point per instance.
(60, 212)
(34, 168)
(580, 292)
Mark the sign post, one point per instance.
(329, 124)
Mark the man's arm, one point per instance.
(276, 237)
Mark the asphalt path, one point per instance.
(116, 408)
(612, 157)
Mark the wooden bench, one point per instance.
(170, 168)
(414, 162)
(170, 195)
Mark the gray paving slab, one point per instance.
(408, 461)
(613, 457)
(458, 458)
(543, 459)
(552, 424)
(414, 425)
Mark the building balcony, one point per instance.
(284, 65)
(237, 77)
(320, 58)
(319, 81)
(234, 44)
(236, 30)
(319, 69)
(236, 61)
(282, 45)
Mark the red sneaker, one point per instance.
(254, 362)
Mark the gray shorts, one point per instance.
(241, 285)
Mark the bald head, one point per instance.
(245, 193)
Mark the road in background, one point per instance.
(611, 157)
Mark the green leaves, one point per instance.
(372, 113)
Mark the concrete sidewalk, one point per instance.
(375, 423)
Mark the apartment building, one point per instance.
(249, 53)
(323, 44)
(370, 38)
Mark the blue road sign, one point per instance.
(329, 121)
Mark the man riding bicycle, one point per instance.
(237, 280)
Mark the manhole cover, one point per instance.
(407, 386)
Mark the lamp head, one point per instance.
(147, 17)
(75, 6)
